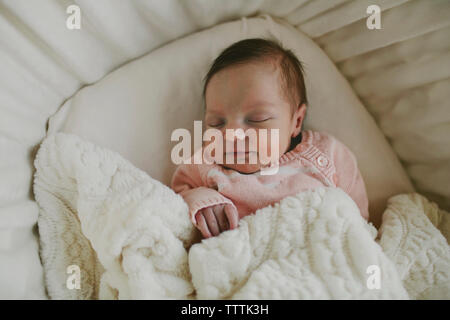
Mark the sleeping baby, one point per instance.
(257, 84)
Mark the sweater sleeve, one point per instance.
(349, 178)
(187, 182)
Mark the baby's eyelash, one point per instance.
(250, 120)
(222, 123)
(216, 125)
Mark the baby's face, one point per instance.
(250, 96)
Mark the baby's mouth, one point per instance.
(239, 153)
(236, 155)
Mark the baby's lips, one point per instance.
(239, 152)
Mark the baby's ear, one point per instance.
(298, 117)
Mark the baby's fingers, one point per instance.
(232, 215)
(201, 222)
(221, 217)
(211, 221)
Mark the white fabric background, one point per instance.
(400, 72)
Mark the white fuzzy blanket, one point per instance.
(132, 239)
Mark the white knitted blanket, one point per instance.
(131, 238)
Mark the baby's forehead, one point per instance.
(249, 75)
(241, 83)
(271, 65)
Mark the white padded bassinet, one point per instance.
(400, 73)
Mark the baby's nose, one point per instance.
(232, 134)
(235, 140)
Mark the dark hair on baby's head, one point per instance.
(250, 50)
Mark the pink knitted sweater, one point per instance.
(318, 160)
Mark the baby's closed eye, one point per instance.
(258, 120)
(215, 122)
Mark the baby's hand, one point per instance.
(213, 220)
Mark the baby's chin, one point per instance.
(243, 168)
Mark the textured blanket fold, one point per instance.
(131, 237)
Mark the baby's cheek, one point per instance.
(270, 144)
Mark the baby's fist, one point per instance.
(212, 221)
